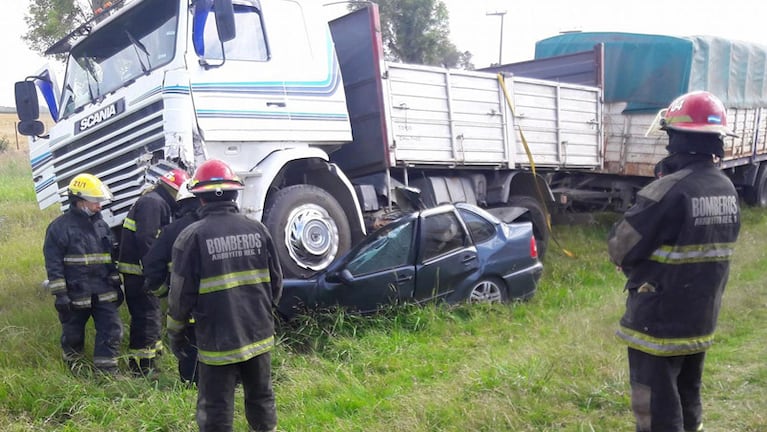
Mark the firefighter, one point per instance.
(156, 265)
(675, 245)
(227, 276)
(82, 275)
(149, 213)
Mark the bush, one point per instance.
(4, 144)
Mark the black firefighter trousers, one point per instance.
(106, 320)
(145, 320)
(215, 395)
(665, 391)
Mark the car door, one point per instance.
(447, 260)
(378, 272)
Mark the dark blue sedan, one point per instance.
(452, 253)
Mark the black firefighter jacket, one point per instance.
(226, 276)
(675, 245)
(157, 262)
(78, 258)
(141, 226)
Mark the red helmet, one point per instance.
(698, 111)
(175, 178)
(214, 176)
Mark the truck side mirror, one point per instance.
(225, 20)
(28, 109)
(27, 106)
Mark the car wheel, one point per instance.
(488, 290)
(309, 229)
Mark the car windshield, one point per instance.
(387, 249)
(135, 43)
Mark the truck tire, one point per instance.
(309, 229)
(537, 216)
(756, 195)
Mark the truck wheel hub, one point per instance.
(311, 237)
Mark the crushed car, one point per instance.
(452, 253)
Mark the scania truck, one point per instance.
(321, 128)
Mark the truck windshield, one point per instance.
(135, 43)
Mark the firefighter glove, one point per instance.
(179, 344)
(63, 303)
(116, 283)
(156, 288)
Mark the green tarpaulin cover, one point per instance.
(649, 71)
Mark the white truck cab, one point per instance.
(158, 84)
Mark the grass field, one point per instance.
(550, 364)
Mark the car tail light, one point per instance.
(533, 248)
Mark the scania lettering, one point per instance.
(99, 116)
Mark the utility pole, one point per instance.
(500, 13)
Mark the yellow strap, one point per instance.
(547, 216)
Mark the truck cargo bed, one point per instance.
(409, 115)
(441, 116)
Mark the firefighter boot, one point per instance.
(74, 362)
(142, 367)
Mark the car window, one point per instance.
(389, 249)
(480, 229)
(250, 43)
(442, 233)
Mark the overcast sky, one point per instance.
(523, 24)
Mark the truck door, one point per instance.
(240, 94)
(300, 39)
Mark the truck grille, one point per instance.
(119, 152)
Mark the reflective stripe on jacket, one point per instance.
(78, 257)
(157, 262)
(148, 214)
(227, 277)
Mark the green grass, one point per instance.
(550, 364)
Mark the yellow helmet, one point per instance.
(89, 188)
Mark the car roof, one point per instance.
(443, 208)
(478, 210)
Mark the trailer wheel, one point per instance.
(309, 229)
(537, 216)
(756, 195)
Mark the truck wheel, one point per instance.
(309, 228)
(537, 216)
(756, 195)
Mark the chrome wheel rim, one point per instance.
(311, 237)
(487, 292)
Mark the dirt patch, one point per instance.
(16, 141)
(8, 131)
